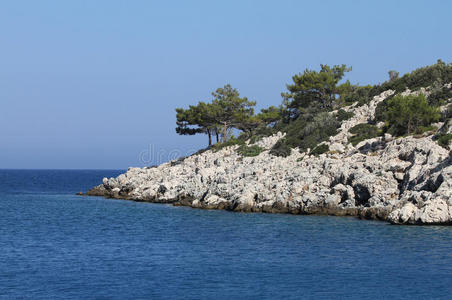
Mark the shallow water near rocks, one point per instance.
(57, 245)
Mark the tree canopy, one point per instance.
(307, 115)
(317, 89)
(406, 115)
(226, 111)
(197, 119)
(233, 111)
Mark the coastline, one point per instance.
(339, 187)
(368, 213)
(401, 180)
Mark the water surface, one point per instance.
(54, 244)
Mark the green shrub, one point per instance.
(307, 131)
(405, 115)
(360, 94)
(320, 149)
(254, 139)
(343, 115)
(312, 125)
(249, 151)
(363, 132)
(243, 149)
(440, 96)
(364, 128)
(281, 148)
(382, 108)
(446, 114)
(355, 140)
(231, 142)
(434, 75)
(264, 131)
(437, 74)
(428, 128)
(444, 140)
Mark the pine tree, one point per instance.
(405, 115)
(314, 89)
(231, 109)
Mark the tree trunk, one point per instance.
(216, 133)
(210, 137)
(225, 132)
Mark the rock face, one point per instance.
(403, 181)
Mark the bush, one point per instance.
(428, 128)
(307, 131)
(434, 75)
(360, 94)
(281, 148)
(320, 149)
(382, 108)
(343, 115)
(440, 96)
(406, 115)
(437, 74)
(447, 113)
(312, 125)
(363, 132)
(444, 140)
(254, 139)
(364, 129)
(249, 151)
(231, 142)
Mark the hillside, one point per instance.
(355, 160)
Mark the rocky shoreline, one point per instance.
(406, 180)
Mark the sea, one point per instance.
(57, 245)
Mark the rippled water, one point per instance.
(57, 245)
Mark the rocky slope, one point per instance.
(404, 181)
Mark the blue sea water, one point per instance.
(55, 245)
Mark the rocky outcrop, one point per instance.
(404, 181)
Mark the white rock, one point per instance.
(411, 177)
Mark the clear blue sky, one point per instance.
(94, 84)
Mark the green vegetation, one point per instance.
(254, 139)
(343, 115)
(307, 131)
(407, 115)
(318, 90)
(307, 116)
(359, 94)
(363, 132)
(197, 119)
(447, 114)
(281, 148)
(230, 142)
(227, 111)
(320, 149)
(444, 140)
(243, 149)
(429, 128)
(434, 75)
(249, 151)
(232, 111)
(393, 75)
(440, 95)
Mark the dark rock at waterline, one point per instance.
(403, 181)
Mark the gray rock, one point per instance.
(404, 181)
